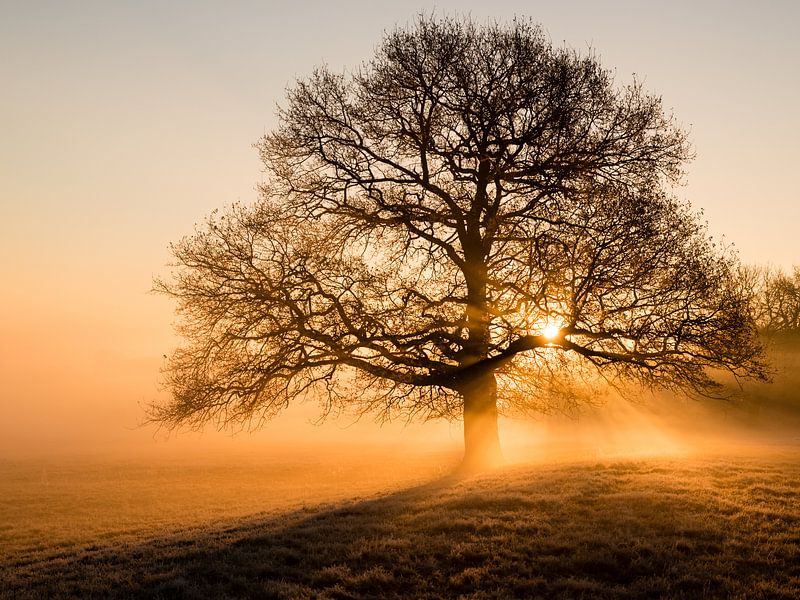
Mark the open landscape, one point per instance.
(720, 525)
(665, 498)
(370, 299)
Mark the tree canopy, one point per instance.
(445, 228)
(775, 298)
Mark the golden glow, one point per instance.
(81, 339)
(551, 332)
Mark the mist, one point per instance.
(83, 477)
(128, 124)
(94, 406)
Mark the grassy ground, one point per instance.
(67, 503)
(725, 526)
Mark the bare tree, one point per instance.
(775, 298)
(783, 291)
(443, 229)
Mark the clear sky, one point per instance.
(124, 123)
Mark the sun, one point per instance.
(551, 332)
(551, 328)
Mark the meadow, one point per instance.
(677, 500)
(724, 526)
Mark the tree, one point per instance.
(775, 298)
(782, 301)
(466, 214)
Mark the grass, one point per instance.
(72, 502)
(725, 526)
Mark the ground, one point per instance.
(714, 525)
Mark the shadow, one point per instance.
(628, 530)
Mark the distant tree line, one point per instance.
(775, 298)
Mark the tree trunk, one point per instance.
(481, 441)
(479, 387)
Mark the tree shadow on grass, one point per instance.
(625, 531)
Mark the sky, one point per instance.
(122, 124)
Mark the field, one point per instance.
(381, 525)
(671, 500)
